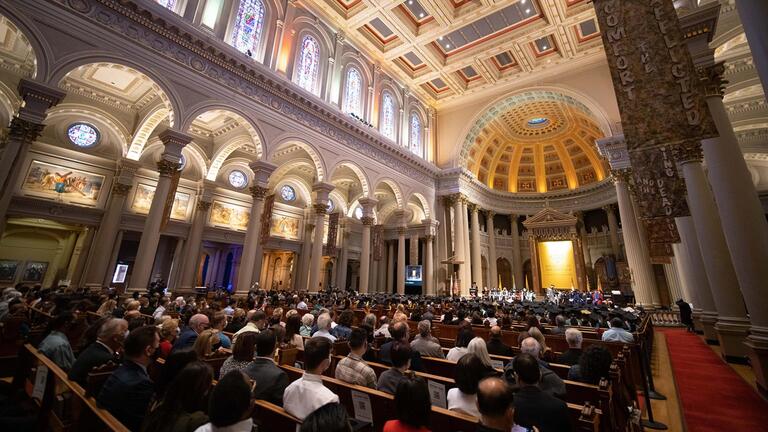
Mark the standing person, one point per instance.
(308, 393)
(686, 315)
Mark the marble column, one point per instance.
(104, 242)
(477, 268)
(24, 129)
(368, 205)
(458, 242)
(753, 15)
(673, 283)
(341, 274)
(306, 251)
(429, 282)
(587, 257)
(741, 213)
(643, 280)
(390, 266)
(704, 309)
(492, 269)
(413, 250)
(613, 231)
(517, 255)
(381, 282)
(194, 245)
(168, 167)
(732, 323)
(683, 275)
(400, 274)
(533, 247)
(467, 248)
(114, 254)
(321, 191)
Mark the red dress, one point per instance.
(398, 426)
(165, 348)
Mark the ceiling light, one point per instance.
(421, 15)
(447, 46)
(440, 38)
(522, 1)
(528, 10)
(410, 2)
(545, 47)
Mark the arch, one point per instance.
(150, 122)
(490, 111)
(308, 45)
(340, 203)
(248, 122)
(395, 189)
(191, 150)
(9, 104)
(309, 148)
(168, 96)
(94, 114)
(40, 48)
(504, 270)
(424, 204)
(361, 176)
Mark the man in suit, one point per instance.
(533, 407)
(548, 381)
(109, 341)
(426, 344)
(128, 391)
(496, 346)
(399, 332)
(571, 356)
(271, 381)
(197, 324)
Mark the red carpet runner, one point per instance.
(713, 396)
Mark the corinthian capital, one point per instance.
(712, 80)
(258, 192)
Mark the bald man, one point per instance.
(496, 346)
(495, 403)
(197, 324)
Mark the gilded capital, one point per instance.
(203, 205)
(401, 231)
(167, 168)
(367, 220)
(472, 207)
(121, 189)
(24, 131)
(320, 209)
(712, 80)
(258, 192)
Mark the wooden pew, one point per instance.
(272, 417)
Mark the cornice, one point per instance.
(215, 60)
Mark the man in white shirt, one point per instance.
(617, 333)
(384, 329)
(324, 327)
(302, 304)
(160, 309)
(256, 322)
(308, 393)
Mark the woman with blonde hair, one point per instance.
(546, 352)
(205, 342)
(169, 330)
(107, 307)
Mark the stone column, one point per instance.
(23, 131)
(517, 255)
(104, 241)
(467, 248)
(477, 268)
(754, 15)
(587, 257)
(673, 283)
(458, 242)
(368, 204)
(494, 273)
(705, 310)
(613, 231)
(341, 273)
(168, 167)
(320, 206)
(114, 254)
(390, 266)
(306, 251)
(413, 252)
(400, 274)
(643, 281)
(732, 323)
(743, 221)
(533, 247)
(683, 274)
(194, 245)
(429, 283)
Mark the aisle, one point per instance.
(713, 396)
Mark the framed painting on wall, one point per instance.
(286, 227)
(142, 201)
(229, 215)
(62, 184)
(34, 271)
(8, 270)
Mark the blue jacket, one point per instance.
(186, 339)
(127, 394)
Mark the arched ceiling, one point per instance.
(537, 145)
(16, 53)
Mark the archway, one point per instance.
(504, 268)
(484, 266)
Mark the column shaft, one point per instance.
(705, 309)
(193, 246)
(492, 269)
(754, 15)
(365, 255)
(341, 274)
(640, 268)
(517, 256)
(390, 266)
(458, 243)
(477, 268)
(429, 278)
(105, 236)
(613, 231)
(673, 283)
(316, 260)
(467, 269)
(245, 278)
(400, 275)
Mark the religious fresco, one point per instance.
(8, 270)
(286, 227)
(63, 184)
(142, 201)
(229, 215)
(34, 272)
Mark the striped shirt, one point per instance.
(353, 369)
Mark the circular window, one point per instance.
(182, 162)
(538, 121)
(330, 206)
(83, 135)
(359, 212)
(238, 179)
(287, 193)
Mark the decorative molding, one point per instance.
(121, 189)
(320, 209)
(712, 80)
(367, 220)
(167, 168)
(258, 192)
(203, 206)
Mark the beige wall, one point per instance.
(591, 85)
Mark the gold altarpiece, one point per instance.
(556, 251)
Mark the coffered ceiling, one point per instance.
(446, 49)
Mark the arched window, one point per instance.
(387, 115)
(353, 91)
(308, 64)
(415, 140)
(248, 25)
(168, 4)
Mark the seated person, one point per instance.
(331, 417)
(495, 404)
(548, 382)
(496, 346)
(308, 393)
(413, 407)
(401, 362)
(56, 345)
(426, 344)
(534, 407)
(185, 402)
(617, 333)
(571, 356)
(463, 338)
(230, 406)
(271, 380)
(594, 364)
(109, 342)
(468, 373)
(352, 368)
(399, 333)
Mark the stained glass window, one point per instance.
(238, 179)
(415, 134)
(182, 162)
(359, 212)
(352, 91)
(330, 206)
(308, 64)
(83, 135)
(168, 4)
(287, 193)
(248, 23)
(388, 116)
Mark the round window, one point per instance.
(83, 135)
(359, 212)
(182, 162)
(238, 179)
(330, 206)
(287, 193)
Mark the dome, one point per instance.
(536, 142)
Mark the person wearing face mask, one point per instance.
(109, 343)
(128, 392)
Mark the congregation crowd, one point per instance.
(136, 332)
